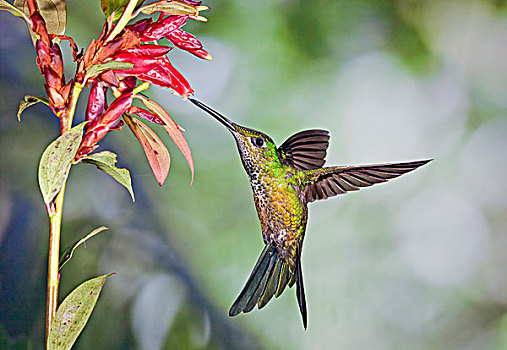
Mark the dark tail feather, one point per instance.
(284, 278)
(300, 291)
(271, 285)
(256, 284)
(270, 275)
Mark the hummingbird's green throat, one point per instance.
(284, 180)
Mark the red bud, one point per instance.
(149, 50)
(117, 108)
(117, 125)
(96, 101)
(201, 53)
(178, 83)
(140, 26)
(142, 64)
(56, 59)
(163, 27)
(128, 83)
(53, 80)
(55, 98)
(184, 40)
(39, 27)
(43, 55)
(158, 76)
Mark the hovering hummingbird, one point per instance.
(284, 180)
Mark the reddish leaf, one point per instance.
(143, 113)
(173, 130)
(156, 153)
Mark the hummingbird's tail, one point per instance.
(269, 277)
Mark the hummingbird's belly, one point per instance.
(282, 214)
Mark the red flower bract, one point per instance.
(163, 27)
(100, 126)
(135, 44)
(184, 40)
(96, 101)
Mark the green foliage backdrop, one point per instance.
(417, 263)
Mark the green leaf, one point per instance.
(54, 13)
(171, 8)
(5, 6)
(67, 254)
(73, 313)
(116, 6)
(106, 161)
(56, 161)
(102, 67)
(28, 101)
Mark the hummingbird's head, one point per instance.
(257, 150)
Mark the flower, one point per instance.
(118, 59)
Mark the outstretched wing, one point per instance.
(329, 182)
(305, 150)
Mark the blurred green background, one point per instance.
(418, 263)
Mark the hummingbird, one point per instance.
(284, 180)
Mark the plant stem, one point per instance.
(55, 219)
(53, 260)
(124, 19)
(67, 115)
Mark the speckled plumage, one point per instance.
(278, 192)
(284, 180)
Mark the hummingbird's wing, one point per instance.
(305, 150)
(269, 277)
(331, 181)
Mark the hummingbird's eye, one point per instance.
(258, 141)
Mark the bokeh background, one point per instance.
(418, 263)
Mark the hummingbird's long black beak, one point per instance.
(228, 124)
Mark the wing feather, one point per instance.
(328, 182)
(305, 150)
